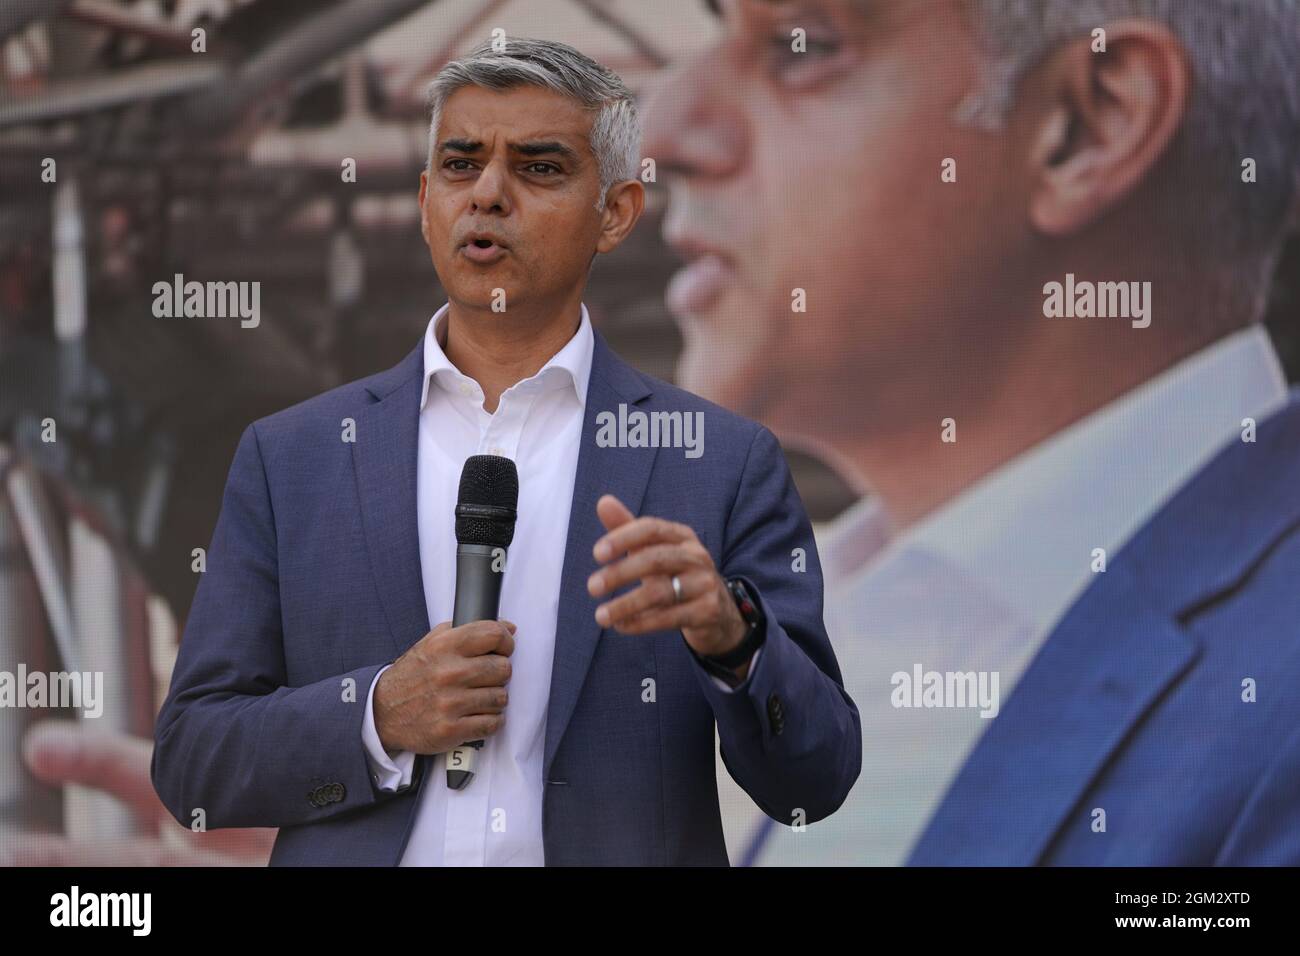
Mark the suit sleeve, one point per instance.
(790, 735)
(234, 745)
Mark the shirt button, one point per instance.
(465, 389)
(496, 450)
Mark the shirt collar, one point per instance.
(571, 366)
(1027, 529)
(851, 540)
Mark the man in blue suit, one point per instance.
(311, 692)
(1067, 604)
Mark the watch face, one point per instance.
(748, 610)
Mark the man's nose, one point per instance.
(489, 190)
(692, 126)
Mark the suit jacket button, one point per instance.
(776, 713)
(313, 797)
(337, 792)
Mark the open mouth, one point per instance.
(483, 250)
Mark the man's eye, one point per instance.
(547, 168)
(819, 60)
(451, 164)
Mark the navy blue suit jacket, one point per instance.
(1139, 704)
(313, 583)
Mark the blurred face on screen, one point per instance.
(515, 165)
(820, 171)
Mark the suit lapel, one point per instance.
(385, 457)
(1113, 654)
(1101, 669)
(622, 472)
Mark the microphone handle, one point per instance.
(479, 569)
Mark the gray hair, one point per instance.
(515, 61)
(1245, 102)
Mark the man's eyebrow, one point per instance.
(715, 8)
(532, 148)
(459, 146)
(543, 147)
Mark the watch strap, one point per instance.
(754, 635)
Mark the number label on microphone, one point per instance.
(461, 758)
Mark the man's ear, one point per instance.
(1104, 121)
(624, 204)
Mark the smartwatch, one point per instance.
(724, 665)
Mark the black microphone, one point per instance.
(485, 526)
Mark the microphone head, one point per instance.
(485, 505)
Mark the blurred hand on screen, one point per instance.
(65, 752)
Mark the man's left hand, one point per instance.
(653, 550)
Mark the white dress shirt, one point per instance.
(496, 820)
(980, 583)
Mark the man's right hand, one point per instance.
(449, 687)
